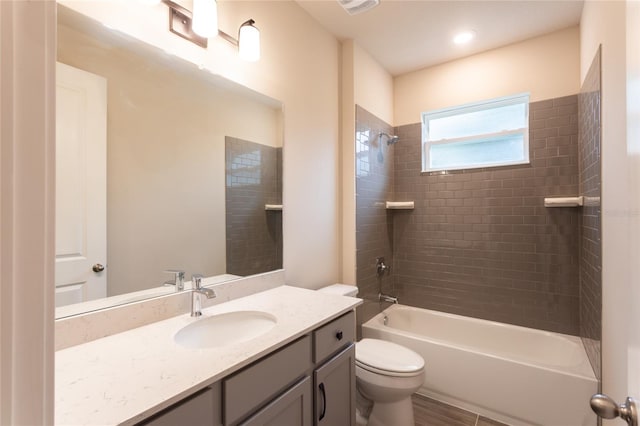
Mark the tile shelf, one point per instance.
(564, 201)
(399, 205)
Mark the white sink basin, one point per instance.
(225, 329)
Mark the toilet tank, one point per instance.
(340, 289)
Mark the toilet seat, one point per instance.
(388, 373)
(388, 358)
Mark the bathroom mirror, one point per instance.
(188, 174)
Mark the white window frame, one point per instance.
(522, 98)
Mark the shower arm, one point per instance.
(391, 139)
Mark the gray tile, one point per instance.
(590, 224)
(375, 177)
(253, 179)
(479, 242)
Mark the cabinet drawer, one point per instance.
(292, 408)
(332, 337)
(201, 409)
(250, 388)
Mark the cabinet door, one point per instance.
(201, 409)
(261, 382)
(335, 390)
(292, 408)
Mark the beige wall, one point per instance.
(299, 66)
(373, 85)
(604, 23)
(366, 83)
(546, 66)
(166, 133)
(347, 163)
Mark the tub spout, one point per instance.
(386, 298)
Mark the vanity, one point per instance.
(300, 371)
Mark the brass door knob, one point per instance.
(98, 267)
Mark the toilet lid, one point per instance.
(387, 356)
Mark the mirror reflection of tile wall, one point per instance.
(253, 180)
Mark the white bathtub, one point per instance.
(517, 375)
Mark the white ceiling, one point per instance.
(405, 35)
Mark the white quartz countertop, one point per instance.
(127, 377)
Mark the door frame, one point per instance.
(27, 227)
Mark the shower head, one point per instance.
(391, 139)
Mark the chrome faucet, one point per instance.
(196, 303)
(386, 298)
(178, 279)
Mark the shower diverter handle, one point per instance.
(382, 267)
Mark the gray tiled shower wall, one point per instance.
(253, 179)
(590, 229)
(479, 242)
(374, 185)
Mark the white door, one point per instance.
(621, 352)
(633, 149)
(81, 159)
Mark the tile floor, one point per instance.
(429, 412)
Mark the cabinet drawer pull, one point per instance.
(324, 401)
(339, 335)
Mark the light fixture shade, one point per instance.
(249, 42)
(205, 18)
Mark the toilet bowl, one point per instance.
(387, 374)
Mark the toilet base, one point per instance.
(397, 413)
(360, 419)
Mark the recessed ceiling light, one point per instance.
(464, 37)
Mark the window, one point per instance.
(483, 134)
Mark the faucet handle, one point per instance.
(178, 278)
(382, 267)
(196, 281)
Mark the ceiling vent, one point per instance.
(353, 7)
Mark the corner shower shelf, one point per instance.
(273, 207)
(399, 205)
(564, 202)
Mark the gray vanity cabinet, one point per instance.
(200, 409)
(263, 382)
(335, 390)
(334, 376)
(292, 408)
(309, 382)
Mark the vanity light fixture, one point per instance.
(205, 18)
(181, 23)
(248, 41)
(202, 24)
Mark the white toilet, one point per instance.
(387, 374)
